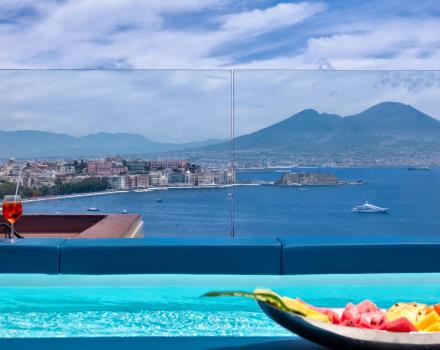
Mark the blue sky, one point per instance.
(342, 34)
(180, 106)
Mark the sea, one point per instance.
(413, 197)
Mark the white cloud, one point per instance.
(171, 106)
(135, 33)
(132, 33)
(400, 43)
(259, 21)
(89, 33)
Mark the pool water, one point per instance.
(170, 305)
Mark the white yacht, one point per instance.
(369, 208)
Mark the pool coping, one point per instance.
(159, 343)
(199, 255)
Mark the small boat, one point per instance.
(369, 208)
(124, 211)
(425, 168)
(93, 207)
(159, 200)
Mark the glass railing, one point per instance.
(337, 153)
(221, 152)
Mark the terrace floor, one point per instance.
(79, 226)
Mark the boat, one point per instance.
(426, 168)
(369, 208)
(93, 208)
(124, 211)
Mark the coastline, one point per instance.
(72, 195)
(155, 189)
(150, 189)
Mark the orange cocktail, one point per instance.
(12, 210)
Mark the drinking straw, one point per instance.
(18, 185)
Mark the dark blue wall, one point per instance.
(259, 255)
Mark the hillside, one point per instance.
(35, 144)
(385, 124)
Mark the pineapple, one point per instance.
(414, 312)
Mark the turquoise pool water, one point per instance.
(170, 305)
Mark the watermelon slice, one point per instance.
(401, 324)
(363, 315)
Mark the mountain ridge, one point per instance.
(39, 144)
(309, 129)
(385, 127)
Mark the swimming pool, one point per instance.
(170, 305)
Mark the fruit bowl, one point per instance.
(343, 337)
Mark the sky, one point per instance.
(113, 36)
(341, 34)
(259, 93)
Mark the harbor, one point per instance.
(279, 210)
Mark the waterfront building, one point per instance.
(136, 166)
(131, 182)
(163, 181)
(176, 176)
(155, 178)
(169, 164)
(219, 177)
(204, 179)
(190, 178)
(97, 167)
(143, 181)
(104, 168)
(118, 182)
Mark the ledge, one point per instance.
(358, 256)
(31, 255)
(172, 255)
(242, 255)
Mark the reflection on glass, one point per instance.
(309, 146)
(320, 143)
(155, 142)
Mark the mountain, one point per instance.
(36, 144)
(396, 119)
(303, 128)
(388, 129)
(385, 125)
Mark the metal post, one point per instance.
(233, 152)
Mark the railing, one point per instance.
(227, 140)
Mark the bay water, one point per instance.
(258, 210)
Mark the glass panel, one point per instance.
(318, 145)
(141, 137)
